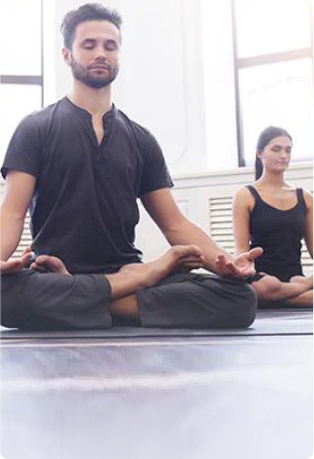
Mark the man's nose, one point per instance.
(101, 53)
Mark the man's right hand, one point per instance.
(14, 265)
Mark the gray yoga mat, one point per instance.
(267, 322)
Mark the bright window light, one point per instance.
(271, 26)
(20, 37)
(278, 94)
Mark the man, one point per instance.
(79, 166)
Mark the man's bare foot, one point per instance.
(44, 263)
(179, 256)
(307, 281)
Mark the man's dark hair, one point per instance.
(87, 12)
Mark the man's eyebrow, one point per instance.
(109, 41)
(112, 41)
(88, 40)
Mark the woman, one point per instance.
(276, 216)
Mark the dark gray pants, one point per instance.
(50, 301)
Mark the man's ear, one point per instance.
(66, 53)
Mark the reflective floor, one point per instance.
(245, 396)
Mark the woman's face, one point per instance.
(277, 154)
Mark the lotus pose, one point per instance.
(79, 165)
(276, 216)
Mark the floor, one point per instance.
(160, 394)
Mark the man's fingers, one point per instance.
(231, 268)
(220, 261)
(255, 253)
(193, 264)
(225, 268)
(11, 266)
(37, 267)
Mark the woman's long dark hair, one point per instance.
(266, 136)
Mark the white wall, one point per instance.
(219, 73)
(161, 82)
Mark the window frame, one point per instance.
(37, 80)
(257, 60)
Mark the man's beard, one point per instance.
(93, 81)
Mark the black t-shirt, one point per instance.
(84, 209)
(279, 233)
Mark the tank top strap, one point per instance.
(254, 192)
(301, 200)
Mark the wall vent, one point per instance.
(220, 218)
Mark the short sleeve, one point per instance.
(25, 148)
(155, 173)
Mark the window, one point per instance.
(274, 73)
(21, 79)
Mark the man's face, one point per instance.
(94, 56)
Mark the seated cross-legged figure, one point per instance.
(275, 215)
(79, 166)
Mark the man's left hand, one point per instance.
(241, 266)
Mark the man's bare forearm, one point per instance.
(187, 232)
(11, 231)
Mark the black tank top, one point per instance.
(279, 233)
